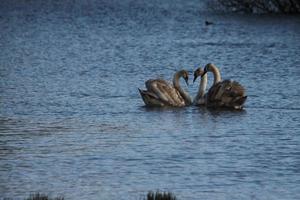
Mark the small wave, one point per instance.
(229, 44)
(273, 108)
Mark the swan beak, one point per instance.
(195, 77)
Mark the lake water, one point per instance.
(72, 122)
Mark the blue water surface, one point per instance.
(72, 122)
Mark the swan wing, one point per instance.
(232, 91)
(236, 89)
(227, 93)
(165, 92)
(150, 99)
(178, 100)
(215, 92)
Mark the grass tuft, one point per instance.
(160, 196)
(39, 196)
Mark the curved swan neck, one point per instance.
(202, 87)
(216, 73)
(176, 78)
(201, 90)
(183, 93)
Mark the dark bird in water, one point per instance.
(208, 23)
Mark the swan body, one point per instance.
(226, 93)
(160, 93)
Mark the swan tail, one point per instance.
(238, 102)
(150, 99)
(241, 100)
(162, 90)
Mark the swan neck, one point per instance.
(216, 73)
(202, 87)
(176, 80)
(182, 92)
(201, 90)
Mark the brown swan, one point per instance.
(226, 93)
(160, 93)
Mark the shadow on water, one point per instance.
(224, 111)
(220, 112)
(162, 109)
(212, 111)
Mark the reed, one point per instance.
(160, 196)
(150, 196)
(39, 196)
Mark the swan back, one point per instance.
(161, 93)
(226, 93)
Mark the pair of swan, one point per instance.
(227, 93)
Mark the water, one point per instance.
(72, 122)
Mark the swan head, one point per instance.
(198, 72)
(185, 76)
(208, 67)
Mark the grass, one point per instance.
(160, 196)
(150, 196)
(39, 196)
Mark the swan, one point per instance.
(226, 93)
(160, 93)
(200, 98)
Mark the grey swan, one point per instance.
(223, 93)
(160, 93)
